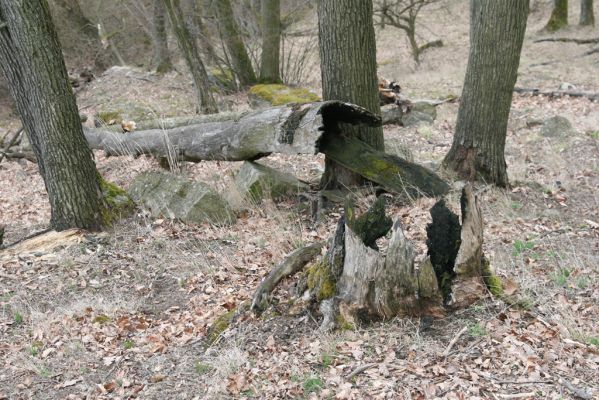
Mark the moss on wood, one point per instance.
(117, 201)
(277, 94)
(321, 281)
(219, 326)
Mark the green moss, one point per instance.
(219, 326)
(101, 319)
(492, 281)
(223, 78)
(109, 117)
(118, 203)
(344, 324)
(277, 94)
(321, 280)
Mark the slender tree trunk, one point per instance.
(559, 16)
(242, 65)
(271, 41)
(31, 59)
(201, 34)
(103, 59)
(348, 67)
(188, 47)
(162, 60)
(496, 36)
(587, 15)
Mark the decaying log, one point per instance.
(10, 144)
(392, 172)
(293, 263)
(558, 93)
(293, 129)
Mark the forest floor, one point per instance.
(125, 313)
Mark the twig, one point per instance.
(518, 395)
(569, 40)
(6, 276)
(557, 93)
(454, 340)
(361, 369)
(578, 392)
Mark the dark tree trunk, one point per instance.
(31, 59)
(162, 60)
(559, 16)
(587, 15)
(348, 67)
(496, 36)
(188, 47)
(271, 39)
(242, 66)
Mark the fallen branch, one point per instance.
(10, 144)
(360, 369)
(290, 265)
(13, 155)
(557, 93)
(568, 40)
(454, 341)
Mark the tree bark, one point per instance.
(188, 47)
(31, 59)
(496, 37)
(587, 14)
(271, 40)
(559, 16)
(242, 66)
(162, 60)
(348, 68)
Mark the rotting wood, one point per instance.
(11, 143)
(290, 265)
(392, 172)
(293, 129)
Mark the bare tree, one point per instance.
(271, 41)
(559, 16)
(402, 14)
(188, 47)
(587, 15)
(162, 61)
(496, 36)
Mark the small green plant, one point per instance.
(18, 318)
(313, 385)
(594, 341)
(101, 319)
(515, 205)
(582, 282)
(128, 344)
(520, 246)
(202, 368)
(327, 360)
(595, 134)
(476, 330)
(560, 278)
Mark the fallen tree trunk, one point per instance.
(569, 40)
(292, 129)
(557, 93)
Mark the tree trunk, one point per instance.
(348, 67)
(102, 58)
(201, 34)
(496, 36)
(242, 66)
(559, 16)
(31, 58)
(188, 47)
(271, 40)
(162, 60)
(587, 15)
